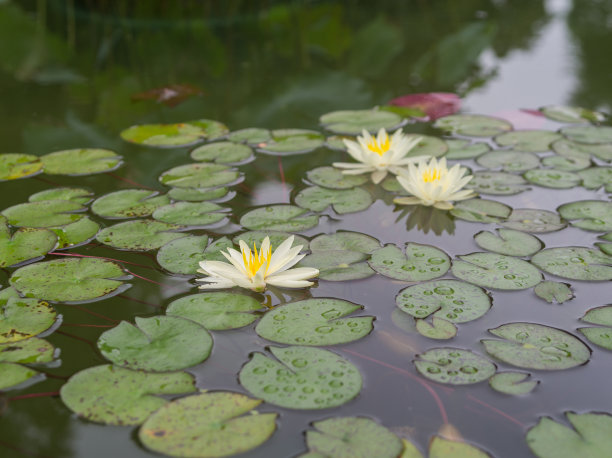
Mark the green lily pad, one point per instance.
(301, 378)
(21, 319)
(473, 125)
(497, 183)
(139, 235)
(565, 113)
(207, 425)
(576, 263)
(509, 242)
(481, 211)
(605, 248)
(552, 291)
(279, 218)
(597, 177)
(329, 177)
(251, 136)
(445, 448)
(567, 164)
(47, 213)
(182, 256)
(512, 383)
(535, 346)
(215, 310)
(198, 194)
(602, 335)
(276, 238)
(588, 134)
(496, 271)
(591, 436)
(174, 135)
(452, 300)
(463, 149)
(532, 220)
(78, 162)
(592, 215)
(345, 240)
(29, 351)
(158, 344)
(222, 153)
(14, 166)
(392, 185)
(284, 142)
(532, 141)
(338, 265)
(314, 322)
(439, 329)
(116, 396)
(572, 149)
(200, 175)
(427, 146)
(14, 375)
(343, 201)
(454, 366)
(77, 233)
(509, 161)
(79, 195)
(69, 280)
(190, 213)
(556, 179)
(420, 263)
(128, 203)
(352, 437)
(353, 122)
(213, 251)
(26, 244)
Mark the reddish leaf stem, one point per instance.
(282, 176)
(86, 310)
(496, 410)
(145, 279)
(34, 395)
(89, 325)
(133, 299)
(100, 257)
(127, 180)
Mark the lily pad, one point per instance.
(556, 179)
(279, 218)
(463, 149)
(251, 136)
(198, 194)
(78, 162)
(79, 195)
(597, 177)
(14, 375)
(532, 141)
(182, 256)
(29, 351)
(329, 177)
(601, 336)
(512, 383)
(314, 322)
(26, 244)
(343, 201)
(345, 240)
(588, 134)
(222, 153)
(353, 122)
(532, 220)
(565, 113)
(509, 161)
(338, 265)
(207, 425)
(509, 242)
(473, 125)
(445, 448)
(576, 263)
(535, 346)
(139, 235)
(454, 366)
(158, 344)
(174, 135)
(116, 396)
(14, 166)
(439, 329)
(215, 310)
(213, 251)
(567, 164)
(69, 280)
(420, 263)
(284, 142)
(276, 238)
(427, 146)
(128, 203)
(481, 211)
(572, 149)
(190, 213)
(77, 233)
(47, 213)
(552, 291)
(21, 318)
(200, 175)
(452, 300)
(301, 378)
(497, 271)
(497, 183)
(592, 215)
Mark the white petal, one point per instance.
(299, 273)
(378, 176)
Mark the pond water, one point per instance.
(77, 74)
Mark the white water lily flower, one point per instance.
(380, 154)
(433, 184)
(254, 270)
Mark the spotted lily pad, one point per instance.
(251, 136)
(557, 179)
(497, 183)
(481, 211)
(532, 220)
(473, 125)
(276, 238)
(222, 153)
(576, 263)
(15, 166)
(345, 240)
(190, 213)
(592, 215)
(339, 265)
(439, 329)
(535, 346)
(353, 122)
(285, 142)
(158, 344)
(314, 322)
(452, 300)
(29, 351)
(554, 291)
(26, 244)
(513, 383)
(588, 134)
(279, 218)
(173, 135)
(601, 335)
(117, 396)
(421, 262)
(509, 242)
(509, 161)
(207, 425)
(301, 378)
(77, 233)
(532, 141)
(343, 201)
(79, 195)
(570, 149)
(463, 149)
(199, 194)
(213, 251)
(200, 175)
(78, 162)
(182, 256)
(21, 318)
(139, 235)
(497, 271)
(329, 177)
(597, 177)
(69, 280)
(454, 366)
(567, 164)
(215, 310)
(564, 113)
(128, 203)
(13, 375)
(47, 213)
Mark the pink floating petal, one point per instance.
(434, 104)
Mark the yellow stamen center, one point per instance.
(432, 175)
(381, 145)
(253, 260)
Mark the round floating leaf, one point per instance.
(496, 271)
(79, 195)
(597, 177)
(251, 136)
(182, 256)
(439, 329)
(158, 344)
(535, 346)
(345, 240)
(557, 179)
(588, 134)
(286, 142)
(128, 203)
(213, 251)
(601, 336)
(190, 213)
(605, 247)
(532, 220)
(69, 280)
(444, 448)
(568, 164)
(139, 235)
(171, 135)
(207, 425)
(200, 175)
(279, 218)
(451, 300)
(117, 396)
(473, 125)
(421, 262)
(576, 263)
(21, 319)
(509, 161)
(301, 378)
(532, 141)
(454, 366)
(329, 177)
(564, 113)
(497, 183)
(14, 375)
(509, 242)
(197, 194)
(513, 383)
(463, 149)
(222, 153)
(591, 436)
(392, 185)
(314, 322)
(553, 291)
(78, 162)
(342, 200)
(29, 351)
(571, 149)
(338, 265)
(77, 233)
(481, 211)
(276, 238)
(354, 437)
(26, 244)
(337, 142)
(353, 122)
(592, 215)
(216, 311)
(46, 213)
(14, 166)
(427, 146)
